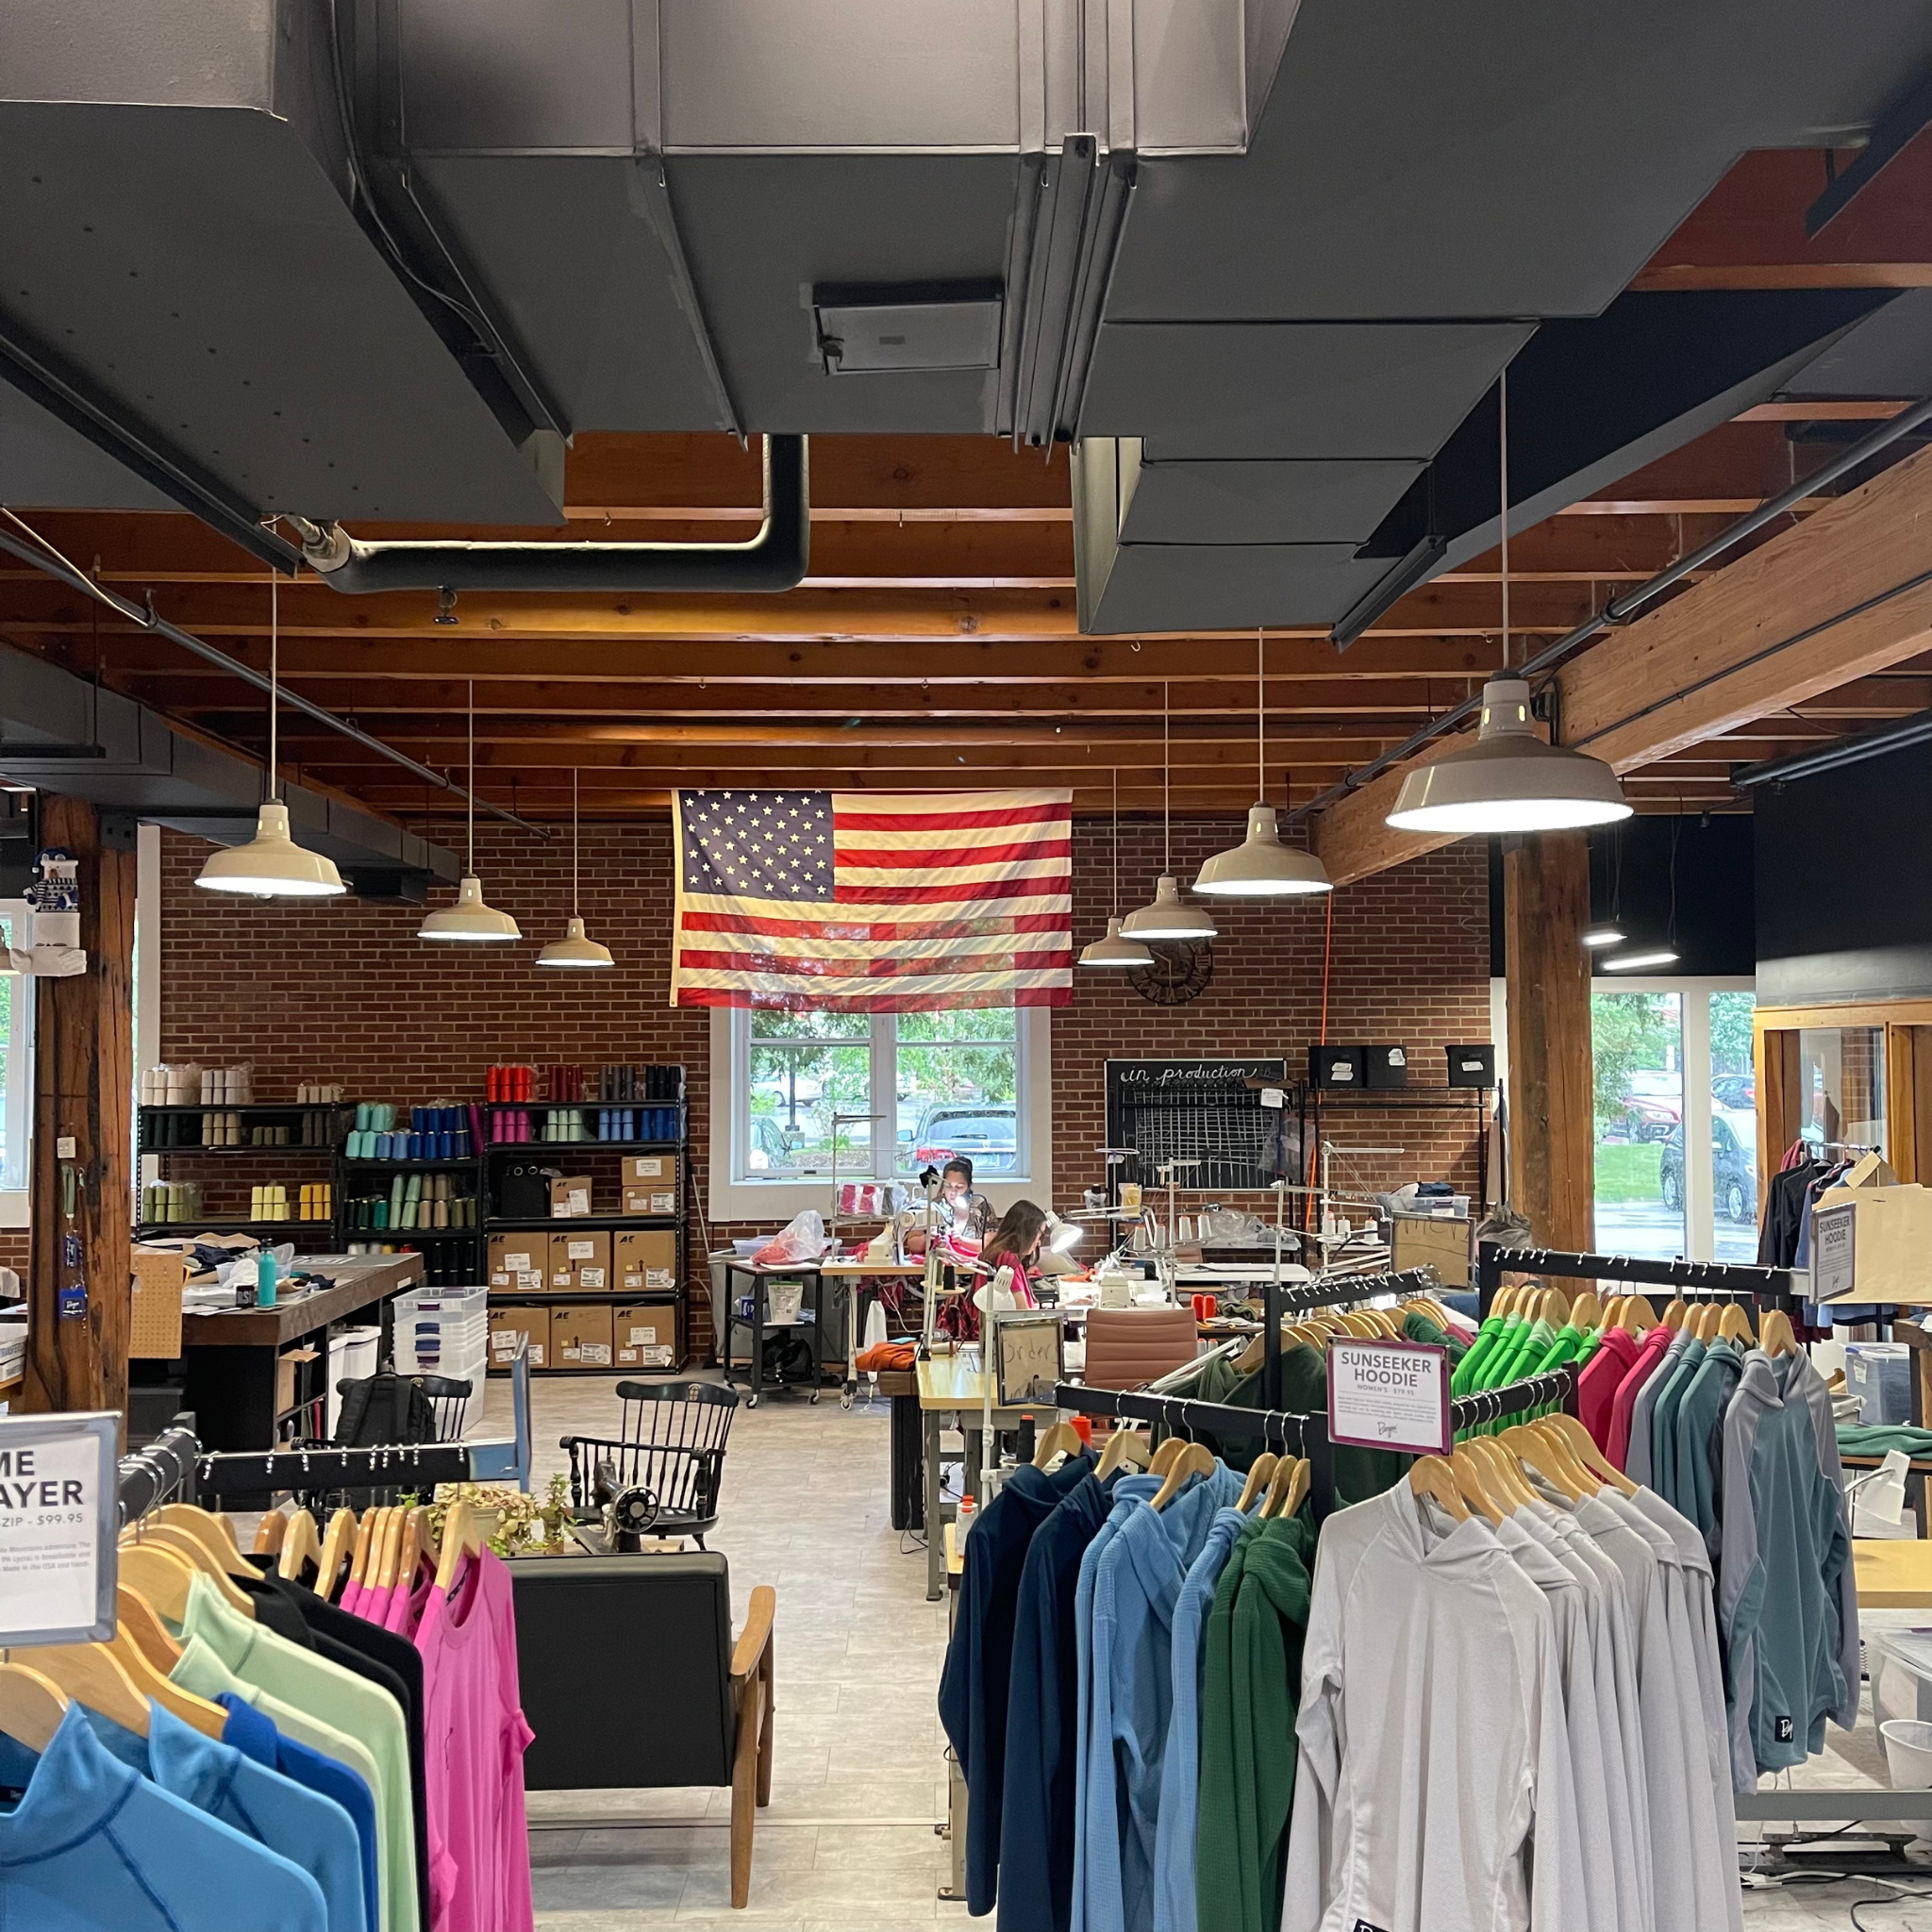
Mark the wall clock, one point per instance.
(1182, 970)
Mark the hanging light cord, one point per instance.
(1261, 717)
(575, 842)
(1503, 470)
(471, 866)
(274, 638)
(1166, 792)
(1116, 775)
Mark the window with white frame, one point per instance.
(874, 1096)
(16, 1095)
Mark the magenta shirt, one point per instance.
(474, 1739)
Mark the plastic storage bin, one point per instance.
(1879, 1374)
(353, 1356)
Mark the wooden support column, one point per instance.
(83, 1082)
(1546, 912)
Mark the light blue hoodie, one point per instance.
(1180, 1769)
(91, 1842)
(1136, 1583)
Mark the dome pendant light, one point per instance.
(1114, 950)
(1509, 780)
(573, 949)
(1262, 867)
(1169, 917)
(471, 918)
(271, 865)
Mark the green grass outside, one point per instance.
(1628, 1172)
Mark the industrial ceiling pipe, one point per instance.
(774, 560)
(1841, 752)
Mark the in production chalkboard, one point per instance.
(1202, 1115)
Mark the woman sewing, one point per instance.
(960, 1214)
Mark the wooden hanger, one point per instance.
(1506, 1473)
(337, 1543)
(89, 1674)
(1062, 1439)
(269, 1533)
(148, 1681)
(211, 1532)
(302, 1545)
(1164, 1458)
(1587, 1311)
(1431, 1475)
(1124, 1445)
(1472, 1484)
(1194, 1459)
(1259, 1472)
(462, 1535)
(161, 1575)
(1639, 1317)
(1540, 1455)
(1287, 1488)
(1774, 1333)
(390, 1552)
(31, 1705)
(1504, 1299)
(365, 1545)
(137, 1618)
(1582, 1447)
(1734, 1324)
(171, 1537)
(415, 1529)
(1674, 1314)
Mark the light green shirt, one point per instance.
(336, 1699)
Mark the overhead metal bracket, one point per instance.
(1894, 132)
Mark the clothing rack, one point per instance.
(418, 1466)
(162, 1472)
(1307, 1435)
(1767, 1287)
(1335, 1292)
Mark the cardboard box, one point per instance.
(644, 1335)
(518, 1261)
(286, 1366)
(511, 1323)
(1425, 1241)
(1872, 1239)
(581, 1261)
(650, 1201)
(645, 1258)
(580, 1337)
(653, 1171)
(570, 1196)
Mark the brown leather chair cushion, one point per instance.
(1127, 1348)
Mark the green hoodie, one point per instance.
(1489, 1337)
(1250, 1696)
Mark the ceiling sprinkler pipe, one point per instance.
(775, 560)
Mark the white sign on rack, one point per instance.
(1390, 1395)
(59, 1515)
(1834, 1252)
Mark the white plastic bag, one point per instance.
(875, 1325)
(803, 1239)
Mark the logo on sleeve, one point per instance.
(1363, 1926)
(1785, 1730)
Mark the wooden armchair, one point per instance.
(676, 1702)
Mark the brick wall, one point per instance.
(347, 992)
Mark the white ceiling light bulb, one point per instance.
(573, 949)
(1262, 867)
(1632, 962)
(271, 865)
(1168, 916)
(1509, 780)
(470, 920)
(1605, 932)
(1114, 950)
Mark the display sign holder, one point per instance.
(1390, 1395)
(60, 1519)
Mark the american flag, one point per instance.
(873, 902)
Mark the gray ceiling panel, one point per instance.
(1186, 586)
(1302, 390)
(569, 247)
(1260, 501)
(45, 464)
(198, 267)
(1523, 158)
(760, 231)
(1889, 357)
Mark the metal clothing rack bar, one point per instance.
(405, 1466)
(164, 1469)
(1775, 1287)
(1334, 1292)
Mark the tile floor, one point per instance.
(848, 1842)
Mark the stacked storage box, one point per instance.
(444, 1331)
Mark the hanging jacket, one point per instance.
(1663, 1419)
(1137, 1582)
(1637, 1461)
(1036, 1877)
(1181, 1766)
(1596, 1387)
(1431, 1734)
(979, 1656)
(1250, 1696)
(1650, 1352)
(1488, 1339)
(1700, 1441)
(90, 1843)
(1788, 1603)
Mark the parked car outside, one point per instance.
(1653, 1103)
(1738, 1091)
(987, 1135)
(1733, 1171)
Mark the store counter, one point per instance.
(1893, 1573)
(234, 1356)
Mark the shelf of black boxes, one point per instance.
(451, 1257)
(155, 1126)
(496, 1224)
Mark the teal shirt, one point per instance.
(1699, 1445)
(1663, 1423)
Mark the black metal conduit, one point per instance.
(775, 560)
(147, 618)
(1620, 611)
(1839, 753)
